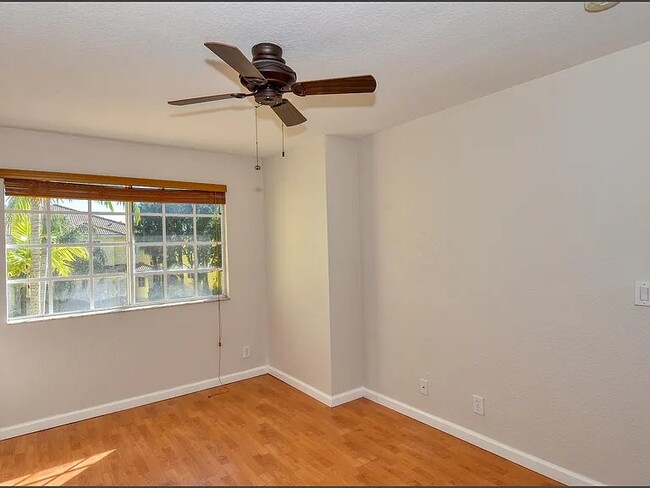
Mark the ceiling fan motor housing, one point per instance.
(267, 58)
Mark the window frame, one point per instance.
(130, 274)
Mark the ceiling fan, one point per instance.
(268, 77)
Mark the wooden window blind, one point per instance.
(45, 184)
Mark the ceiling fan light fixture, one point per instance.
(267, 77)
(595, 7)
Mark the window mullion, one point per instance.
(91, 264)
(164, 239)
(221, 238)
(49, 283)
(130, 255)
(195, 265)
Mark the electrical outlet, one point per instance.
(424, 387)
(479, 405)
(246, 352)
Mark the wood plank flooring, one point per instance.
(260, 432)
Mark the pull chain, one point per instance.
(282, 139)
(257, 144)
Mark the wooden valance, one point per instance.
(46, 184)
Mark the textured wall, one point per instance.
(344, 262)
(500, 244)
(297, 265)
(314, 264)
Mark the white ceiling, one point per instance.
(107, 69)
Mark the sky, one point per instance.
(96, 206)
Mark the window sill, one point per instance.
(136, 308)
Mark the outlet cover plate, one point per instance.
(479, 405)
(424, 386)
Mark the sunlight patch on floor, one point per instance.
(58, 475)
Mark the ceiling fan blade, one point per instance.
(236, 59)
(335, 86)
(288, 113)
(210, 98)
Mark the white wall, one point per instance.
(61, 365)
(344, 261)
(501, 240)
(314, 265)
(297, 265)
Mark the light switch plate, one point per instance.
(642, 293)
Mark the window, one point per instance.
(68, 256)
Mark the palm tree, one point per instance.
(31, 262)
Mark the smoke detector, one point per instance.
(595, 7)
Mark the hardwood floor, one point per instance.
(261, 431)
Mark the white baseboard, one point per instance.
(86, 413)
(347, 396)
(329, 400)
(522, 458)
(301, 385)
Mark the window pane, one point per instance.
(179, 229)
(151, 289)
(148, 258)
(71, 296)
(109, 228)
(109, 292)
(27, 262)
(19, 226)
(209, 284)
(25, 300)
(209, 256)
(208, 208)
(179, 208)
(69, 205)
(208, 229)
(146, 207)
(180, 257)
(107, 206)
(25, 204)
(109, 259)
(180, 285)
(70, 261)
(147, 229)
(69, 228)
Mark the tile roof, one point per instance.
(143, 267)
(101, 225)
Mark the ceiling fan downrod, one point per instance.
(257, 144)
